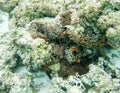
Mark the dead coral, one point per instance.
(8, 5)
(30, 10)
(64, 18)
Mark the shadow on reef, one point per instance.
(67, 69)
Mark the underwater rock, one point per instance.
(15, 83)
(64, 18)
(28, 10)
(33, 52)
(8, 5)
(114, 56)
(96, 80)
(113, 35)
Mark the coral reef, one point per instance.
(14, 83)
(113, 36)
(28, 10)
(60, 46)
(97, 80)
(8, 5)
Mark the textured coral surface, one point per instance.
(59, 46)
